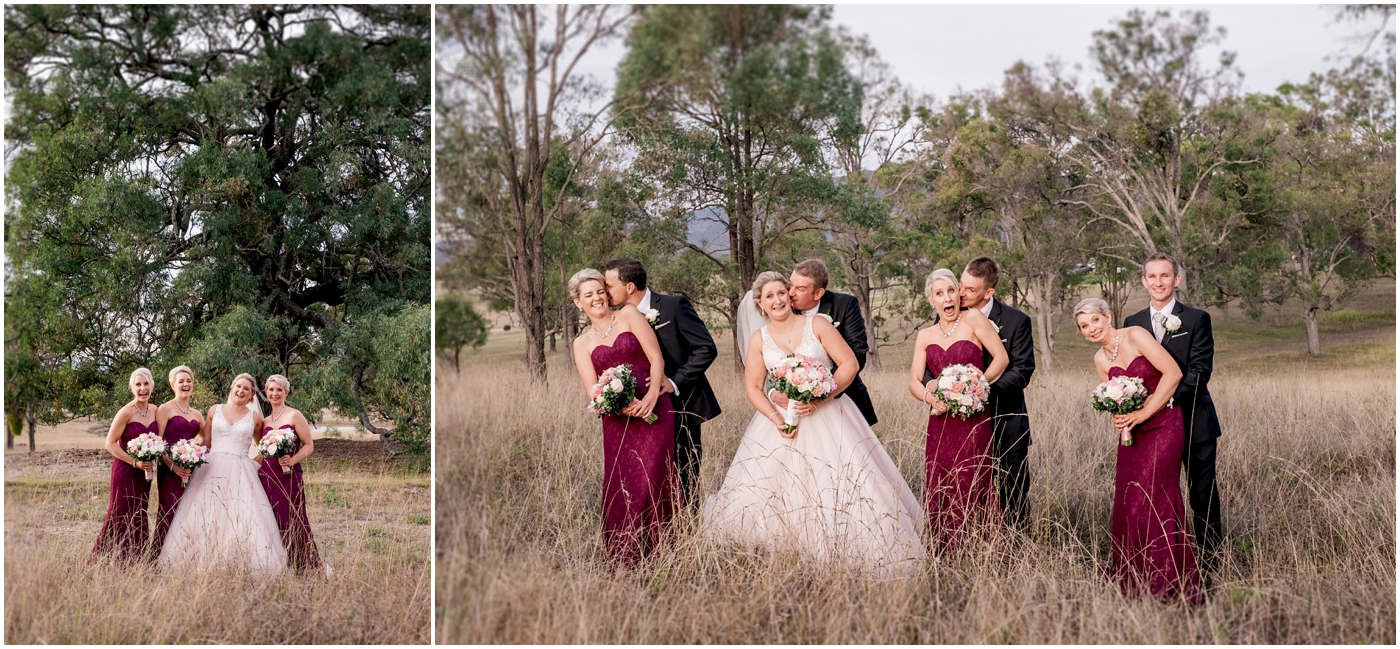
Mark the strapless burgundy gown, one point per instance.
(960, 495)
(125, 533)
(167, 483)
(1151, 547)
(287, 493)
(640, 484)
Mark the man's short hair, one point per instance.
(1160, 256)
(814, 269)
(985, 269)
(629, 270)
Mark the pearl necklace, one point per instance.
(1114, 357)
(611, 322)
(949, 334)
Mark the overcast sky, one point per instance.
(940, 48)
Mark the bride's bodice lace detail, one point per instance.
(234, 438)
(809, 346)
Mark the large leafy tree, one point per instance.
(243, 188)
(728, 108)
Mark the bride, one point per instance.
(224, 519)
(829, 492)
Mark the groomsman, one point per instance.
(1011, 428)
(688, 350)
(1186, 334)
(807, 288)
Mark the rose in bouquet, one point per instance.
(803, 380)
(186, 454)
(615, 390)
(963, 388)
(147, 447)
(278, 442)
(1120, 396)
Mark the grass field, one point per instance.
(1307, 475)
(371, 520)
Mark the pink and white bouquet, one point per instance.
(186, 454)
(963, 388)
(1120, 396)
(803, 380)
(616, 389)
(278, 442)
(147, 447)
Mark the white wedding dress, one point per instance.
(224, 520)
(831, 493)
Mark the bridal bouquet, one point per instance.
(277, 443)
(1120, 396)
(616, 389)
(187, 455)
(803, 380)
(147, 447)
(963, 389)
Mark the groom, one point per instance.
(807, 289)
(688, 350)
(1186, 334)
(1011, 429)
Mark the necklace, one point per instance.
(949, 333)
(1114, 357)
(279, 415)
(139, 411)
(610, 326)
(182, 409)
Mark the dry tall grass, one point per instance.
(371, 526)
(1307, 473)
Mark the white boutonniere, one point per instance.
(1172, 324)
(653, 316)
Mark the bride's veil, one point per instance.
(749, 321)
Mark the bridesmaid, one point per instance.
(287, 491)
(124, 532)
(958, 456)
(640, 489)
(177, 421)
(1151, 547)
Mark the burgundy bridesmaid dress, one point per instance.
(167, 483)
(640, 484)
(124, 532)
(1151, 547)
(287, 493)
(960, 496)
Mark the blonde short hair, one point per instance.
(943, 274)
(140, 371)
(583, 276)
(1091, 306)
(280, 380)
(176, 371)
(762, 280)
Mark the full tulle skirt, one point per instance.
(832, 493)
(225, 521)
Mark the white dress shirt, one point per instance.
(987, 310)
(1159, 326)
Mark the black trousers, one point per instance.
(1204, 497)
(688, 452)
(1013, 476)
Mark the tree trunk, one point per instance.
(1044, 322)
(553, 345)
(529, 302)
(860, 285)
(31, 417)
(1310, 321)
(570, 326)
(738, 344)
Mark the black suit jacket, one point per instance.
(1193, 348)
(688, 350)
(844, 311)
(1008, 399)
